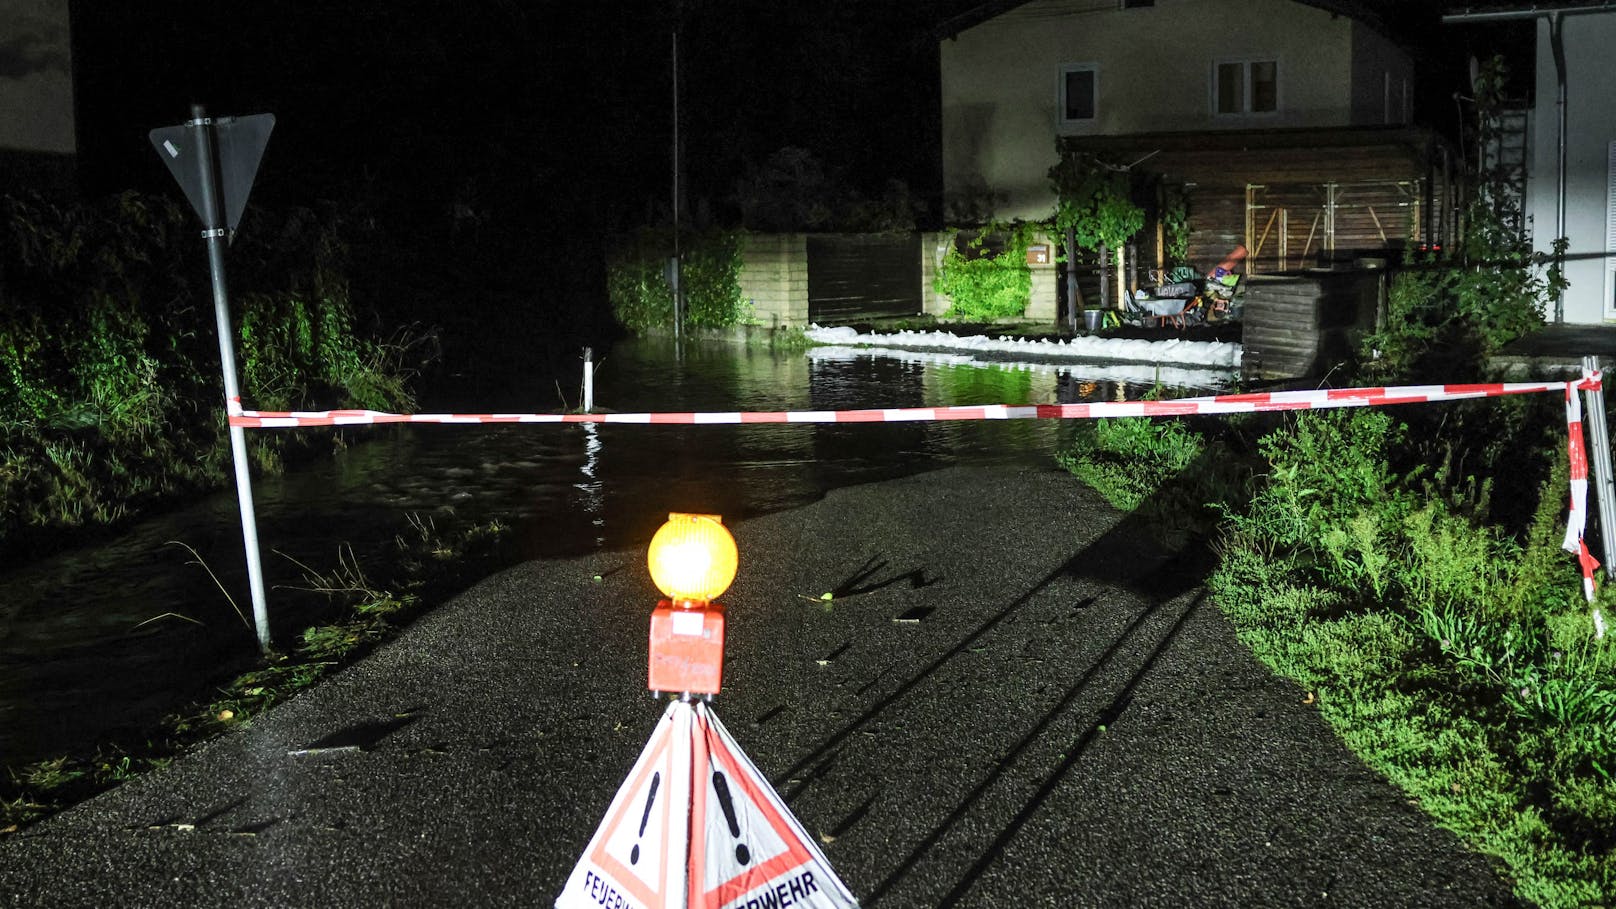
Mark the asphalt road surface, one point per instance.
(1016, 698)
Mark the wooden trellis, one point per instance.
(1290, 226)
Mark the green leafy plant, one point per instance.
(642, 298)
(988, 279)
(1175, 219)
(1127, 459)
(1447, 312)
(109, 394)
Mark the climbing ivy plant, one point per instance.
(1447, 312)
(985, 285)
(1092, 199)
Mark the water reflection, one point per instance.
(83, 652)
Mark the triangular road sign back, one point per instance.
(239, 142)
(637, 856)
(747, 850)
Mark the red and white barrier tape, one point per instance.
(1577, 518)
(1320, 399)
(1217, 404)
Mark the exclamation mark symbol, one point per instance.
(656, 780)
(721, 786)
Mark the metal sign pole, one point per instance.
(213, 231)
(1604, 483)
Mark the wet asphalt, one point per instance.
(1015, 698)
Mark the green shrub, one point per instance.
(1456, 660)
(1128, 459)
(110, 390)
(985, 285)
(642, 299)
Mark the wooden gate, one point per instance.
(856, 277)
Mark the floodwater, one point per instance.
(105, 640)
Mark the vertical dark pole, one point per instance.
(1074, 297)
(213, 231)
(678, 263)
(1105, 274)
(1557, 45)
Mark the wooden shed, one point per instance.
(1294, 198)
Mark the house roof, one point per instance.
(1370, 12)
(1235, 158)
(1456, 10)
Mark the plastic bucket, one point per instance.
(1092, 319)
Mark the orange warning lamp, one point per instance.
(692, 560)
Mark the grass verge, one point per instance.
(1427, 610)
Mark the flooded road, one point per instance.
(104, 640)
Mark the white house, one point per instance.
(1589, 37)
(37, 139)
(1015, 76)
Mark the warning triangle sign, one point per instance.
(697, 826)
(637, 856)
(747, 851)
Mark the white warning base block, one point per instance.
(697, 826)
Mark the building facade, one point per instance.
(1590, 162)
(37, 126)
(1037, 71)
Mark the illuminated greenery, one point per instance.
(984, 284)
(1093, 199)
(642, 299)
(110, 393)
(1441, 632)
(1448, 311)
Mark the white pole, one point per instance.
(214, 232)
(589, 381)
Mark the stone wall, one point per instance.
(774, 278)
(933, 246)
(1043, 303)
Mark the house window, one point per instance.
(1079, 93)
(1246, 87)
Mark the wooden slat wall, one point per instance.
(1300, 326)
(1217, 167)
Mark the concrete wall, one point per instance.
(1590, 132)
(933, 247)
(36, 77)
(1044, 302)
(1001, 82)
(774, 278)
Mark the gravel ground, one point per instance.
(1070, 723)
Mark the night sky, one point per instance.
(565, 106)
(551, 119)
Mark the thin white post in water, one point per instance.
(589, 380)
